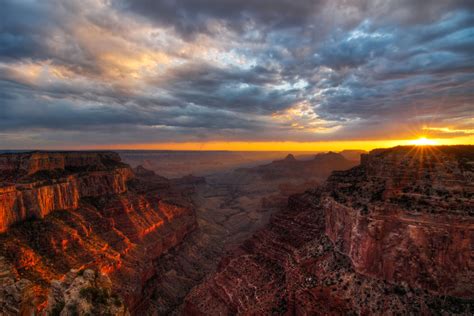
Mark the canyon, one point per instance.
(393, 235)
(87, 233)
(76, 212)
(231, 206)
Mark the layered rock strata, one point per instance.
(407, 215)
(384, 237)
(34, 184)
(29, 163)
(98, 217)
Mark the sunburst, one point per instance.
(423, 141)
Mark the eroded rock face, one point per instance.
(84, 292)
(31, 162)
(33, 185)
(407, 215)
(352, 247)
(118, 236)
(432, 253)
(106, 220)
(291, 267)
(17, 296)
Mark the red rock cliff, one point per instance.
(32, 162)
(392, 236)
(113, 223)
(36, 184)
(407, 215)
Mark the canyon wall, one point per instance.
(91, 213)
(432, 253)
(25, 194)
(392, 236)
(32, 162)
(406, 215)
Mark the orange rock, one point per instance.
(105, 226)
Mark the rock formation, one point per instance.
(394, 235)
(87, 212)
(21, 164)
(352, 154)
(17, 296)
(407, 215)
(84, 292)
(34, 184)
(320, 167)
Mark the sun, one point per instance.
(423, 141)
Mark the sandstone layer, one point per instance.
(34, 184)
(98, 216)
(407, 215)
(21, 164)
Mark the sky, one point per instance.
(235, 74)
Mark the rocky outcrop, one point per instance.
(44, 182)
(352, 154)
(290, 157)
(407, 215)
(118, 236)
(114, 223)
(17, 296)
(21, 164)
(292, 268)
(424, 251)
(356, 245)
(84, 292)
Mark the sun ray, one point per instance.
(423, 141)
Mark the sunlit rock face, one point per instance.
(34, 184)
(95, 215)
(32, 162)
(357, 245)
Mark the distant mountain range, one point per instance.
(320, 166)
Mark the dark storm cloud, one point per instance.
(67, 114)
(401, 71)
(238, 90)
(26, 28)
(241, 70)
(194, 16)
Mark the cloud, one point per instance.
(191, 17)
(142, 71)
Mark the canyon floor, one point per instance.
(230, 207)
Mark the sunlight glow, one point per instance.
(423, 141)
(277, 145)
